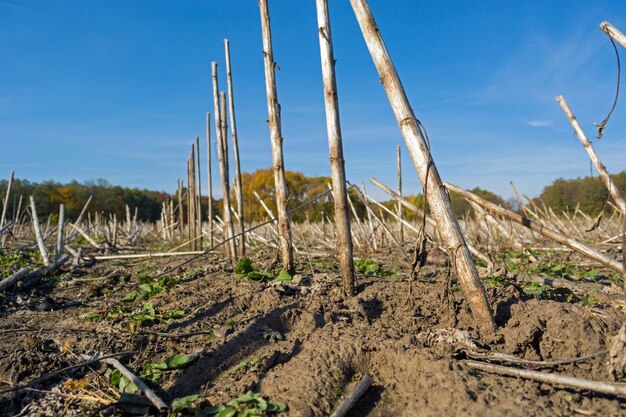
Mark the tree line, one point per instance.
(588, 194)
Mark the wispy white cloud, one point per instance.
(539, 123)
(544, 67)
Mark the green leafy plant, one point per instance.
(495, 282)
(134, 318)
(271, 335)
(11, 263)
(91, 316)
(184, 405)
(249, 404)
(123, 384)
(252, 365)
(150, 371)
(149, 313)
(538, 290)
(150, 288)
(373, 268)
(153, 371)
(245, 270)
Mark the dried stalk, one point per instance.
(59, 247)
(233, 134)
(429, 220)
(614, 33)
(34, 277)
(11, 280)
(610, 185)
(199, 196)
(146, 255)
(5, 205)
(547, 378)
(337, 168)
(40, 242)
(539, 228)
(399, 206)
(209, 176)
(438, 199)
(86, 236)
(273, 110)
(151, 395)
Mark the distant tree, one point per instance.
(588, 193)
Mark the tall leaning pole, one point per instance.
(437, 196)
(337, 163)
(273, 111)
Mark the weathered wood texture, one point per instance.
(37, 230)
(233, 134)
(614, 33)
(59, 247)
(209, 177)
(274, 121)
(228, 218)
(198, 200)
(610, 185)
(337, 163)
(438, 199)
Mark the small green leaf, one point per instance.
(244, 266)
(283, 276)
(178, 361)
(130, 296)
(91, 316)
(227, 412)
(276, 406)
(115, 378)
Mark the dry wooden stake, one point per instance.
(199, 197)
(614, 33)
(438, 199)
(37, 229)
(181, 218)
(224, 170)
(337, 169)
(59, 247)
(233, 134)
(209, 176)
(606, 178)
(274, 121)
(5, 205)
(368, 211)
(608, 182)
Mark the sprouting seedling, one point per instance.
(245, 270)
(249, 404)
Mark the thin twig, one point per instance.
(562, 380)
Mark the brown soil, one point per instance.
(329, 343)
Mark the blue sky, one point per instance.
(119, 90)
